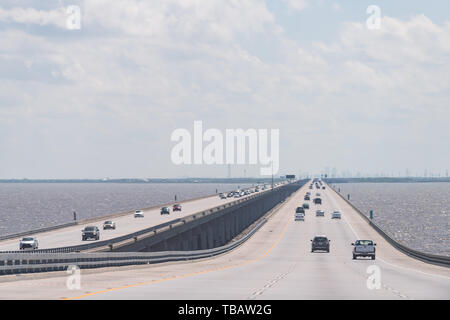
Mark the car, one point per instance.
(336, 215)
(109, 225)
(165, 210)
(306, 205)
(321, 243)
(323, 187)
(28, 243)
(317, 194)
(176, 207)
(307, 198)
(139, 214)
(320, 213)
(317, 201)
(222, 196)
(237, 195)
(364, 248)
(90, 232)
(230, 194)
(300, 210)
(299, 217)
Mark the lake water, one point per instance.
(415, 214)
(29, 206)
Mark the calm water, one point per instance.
(415, 214)
(29, 206)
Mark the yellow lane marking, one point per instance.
(189, 274)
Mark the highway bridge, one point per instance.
(276, 262)
(125, 224)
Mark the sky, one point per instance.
(103, 100)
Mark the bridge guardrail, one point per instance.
(11, 263)
(45, 229)
(426, 257)
(111, 242)
(95, 219)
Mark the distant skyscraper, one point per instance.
(334, 173)
(229, 171)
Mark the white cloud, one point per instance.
(214, 20)
(143, 68)
(297, 5)
(55, 17)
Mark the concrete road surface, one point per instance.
(126, 224)
(276, 263)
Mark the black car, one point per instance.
(300, 210)
(320, 243)
(317, 201)
(90, 232)
(307, 198)
(306, 205)
(165, 210)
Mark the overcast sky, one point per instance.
(103, 101)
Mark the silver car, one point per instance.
(336, 215)
(29, 243)
(320, 213)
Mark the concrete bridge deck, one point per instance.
(125, 224)
(276, 263)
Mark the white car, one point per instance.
(29, 243)
(299, 217)
(139, 214)
(109, 225)
(336, 215)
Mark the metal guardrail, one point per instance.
(25, 233)
(11, 263)
(426, 257)
(134, 236)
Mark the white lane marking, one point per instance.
(384, 261)
(418, 271)
(271, 283)
(384, 285)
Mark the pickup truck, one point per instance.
(364, 248)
